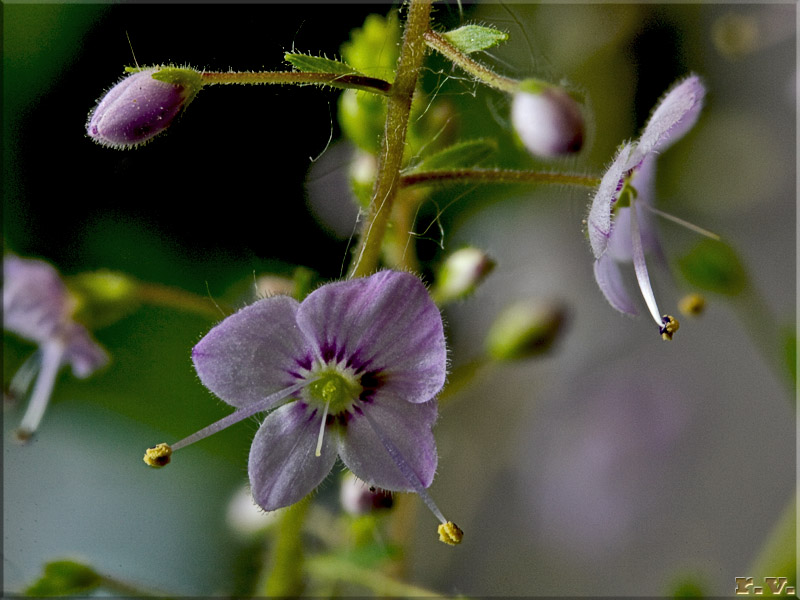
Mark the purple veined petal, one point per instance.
(599, 220)
(36, 305)
(408, 426)
(674, 116)
(609, 279)
(253, 353)
(386, 322)
(282, 467)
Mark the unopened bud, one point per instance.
(547, 119)
(142, 105)
(461, 273)
(358, 498)
(525, 329)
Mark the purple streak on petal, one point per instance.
(599, 219)
(408, 427)
(386, 322)
(609, 279)
(282, 467)
(253, 353)
(674, 116)
(35, 301)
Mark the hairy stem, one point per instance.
(461, 176)
(394, 139)
(357, 82)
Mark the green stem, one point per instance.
(391, 158)
(356, 82)
(162, 295)
(460, 176)
(286, 573)
(468, 64)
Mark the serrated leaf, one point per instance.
(463, 154)
(318, 64)
(64, 578)
(474, 38)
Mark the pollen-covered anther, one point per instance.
(669, 327)
(158, 456)
(450, 533)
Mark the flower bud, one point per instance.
(142, 105)
(525, 329)
(461, 273)
(358, 498)
(547, 120)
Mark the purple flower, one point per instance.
(141, 106)
(352, 372)
(547, 119)
(38, 307)
(618, 232)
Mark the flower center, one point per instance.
(333, 389)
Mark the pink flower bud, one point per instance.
(547, 119)
(142, 105)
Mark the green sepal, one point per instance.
(65, 578)
(715, 267)
(318, 64)
(190, 79)
(462, 154)
(474, 38)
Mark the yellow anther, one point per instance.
(158, 456)
(692, 304)
(449, 533)
(669, 327)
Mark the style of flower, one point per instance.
(38, 307)
(352, 371)
(140, 106)
(618, 232)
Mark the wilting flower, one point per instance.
(141, 106)
(352, 372)
(546, 118)
(38, 307)
(618, 232)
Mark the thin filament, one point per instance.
(412, 478)
(318, 452)
(640, 266)
(52, 353)
(679, 221)
(266, 404)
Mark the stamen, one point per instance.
(640, 266)
(447, 530)
(52, 354)
(679, 221)
(669, 327)
(21, 380)
(318, 452)
(158, 456)
(239, 415)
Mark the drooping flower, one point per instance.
(352, 371)
(142, 105)
(38, 307)
(547, 119)
(618, 232)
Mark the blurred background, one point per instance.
(614, 465)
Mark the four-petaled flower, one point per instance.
(352, 371)
(38, 307)
(620, 233)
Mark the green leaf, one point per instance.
(318, 64)
(715, 267)
(790, 351)
(374, 48)
(64, 578)
(463, 154)
(474, 38)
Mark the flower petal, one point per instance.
(674, 116)
(408, 427)
(35, 301)
(253, 353)
(599, 219)
(385, 323)
(609, 279)
(283, 468)
(82, 352)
